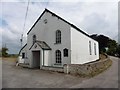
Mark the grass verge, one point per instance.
(100, 70)
(12, 59)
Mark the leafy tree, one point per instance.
(106, 42)
(118, 50)
(103, 41)
(0, 53)
(94, 36)
(112, 47)
(4, 51)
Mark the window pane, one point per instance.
(34, 38)
(23, 55)
(58, 36)
(90, 48)
(65, 52)
(58, 56)
(95, 48)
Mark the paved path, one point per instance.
(107, 79)
(17, 77)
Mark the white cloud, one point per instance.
(92, 17)
(60, 0)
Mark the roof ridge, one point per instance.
(68, 22)
(72, 25)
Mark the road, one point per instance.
(18, 77)
(107, 79)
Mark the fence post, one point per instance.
(67, 69)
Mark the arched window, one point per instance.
(34, 38)
(65, 52)
(58, 56)
(95, 48)
(23, 55)
(58, 36)
(90, 49)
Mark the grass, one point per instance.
(12, 59)
(100, 70)
(102, 57)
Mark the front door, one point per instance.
(36, 59)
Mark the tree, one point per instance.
(0, 53)
(106, 42)
(4, 52)
(112, 47)
(102, 40)
(118, 50)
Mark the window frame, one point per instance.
(90, 48)
(34, 38)
(23, 55)
(58, 57)
(65, 52)
(95, 49)
(58, 37)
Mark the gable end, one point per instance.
(22, 48)
(36, 22)
(53, 14)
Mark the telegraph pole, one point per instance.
(21, 40)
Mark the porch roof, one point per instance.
(42, 44)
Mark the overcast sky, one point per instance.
(92, 16)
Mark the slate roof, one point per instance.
(53, 14)
(22, 48)
(42, 44)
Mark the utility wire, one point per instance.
(26, 16)
(21, 40)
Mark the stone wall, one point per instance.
(89, 69)
(55, 69)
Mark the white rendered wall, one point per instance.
(80, 48)
(46, 32)
(47, 58)
(24, 50)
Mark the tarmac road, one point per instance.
(107, 79)
(18, 77)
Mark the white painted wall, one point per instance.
(46, 32)
(24, 50)
(47, 58)
(76, 42)
(25, 60)
(80, 48)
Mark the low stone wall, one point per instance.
(56, 69)
(89, 69)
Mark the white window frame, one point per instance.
(58, 57)
(65, 52)
(95, 48)
(34, 38)
(58, 37)
(90, 48)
